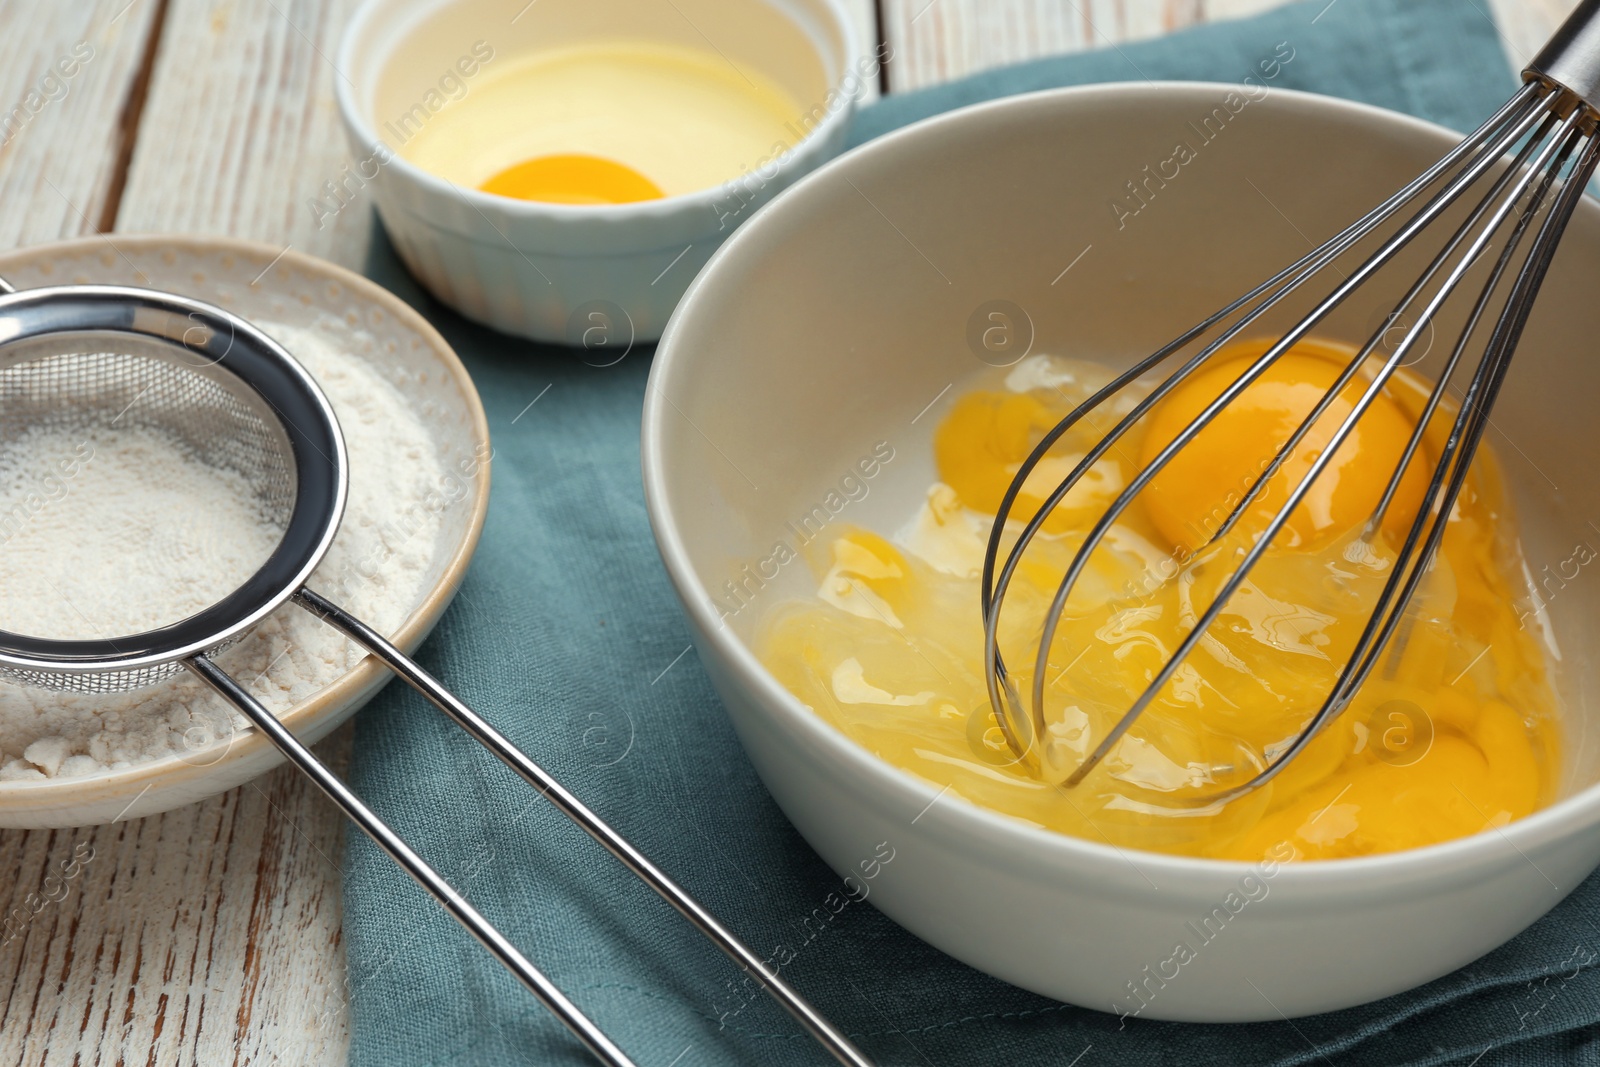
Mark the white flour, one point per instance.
(118, 530)
(131, 575)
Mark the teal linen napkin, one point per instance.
(566, 633)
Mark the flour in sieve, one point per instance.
(108, 531)
(380, 565)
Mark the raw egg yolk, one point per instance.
(1196, 492)
(573, 179)
(983, 442)
(1455, 733)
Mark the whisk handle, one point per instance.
(1571, 59)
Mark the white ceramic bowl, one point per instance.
(273, 288)
(841, 312)
(540, 270)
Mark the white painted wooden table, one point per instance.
(211, 935)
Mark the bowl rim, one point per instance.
(1001, 837)
(360, 128)
(368, 673)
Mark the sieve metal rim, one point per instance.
(225, 342)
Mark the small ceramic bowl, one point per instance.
(546, 271)
(273, 288)
(840, 318)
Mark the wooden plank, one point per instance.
(88, 935)
(241, 128)
(212, 934)
(61, 126)
(206, 936)
(864, 13)
(937, 40)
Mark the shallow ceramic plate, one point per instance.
(271, 287)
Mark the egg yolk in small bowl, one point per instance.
(573, 178)
(606, 122)
(1454, 732)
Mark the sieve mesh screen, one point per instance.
(127, 383)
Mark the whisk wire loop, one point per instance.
(1467, 227)
(1500, 132)
(1543, 138)
(1466, 434)
(1390, 248)
(1410, 565)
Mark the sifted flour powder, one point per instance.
(117, 532)
(378, 567)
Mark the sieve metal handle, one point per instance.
(815, 1023)
(282, 392)
(374, 827)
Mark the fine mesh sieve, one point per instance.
(80, 359)
(74, 358)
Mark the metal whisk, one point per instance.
(1523, 172)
